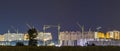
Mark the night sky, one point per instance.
(90, 13)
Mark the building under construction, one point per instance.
(72, 38)
(75, 38)
(66, 38)
(12, 38)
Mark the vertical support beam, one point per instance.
(89, 33)
(48, 26)
(44, 27)
(58, 32)
(82, 28)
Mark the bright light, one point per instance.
(10, 40)
(51, 44)
(20, 39)
(38, 45)
(57, 45)
(12, 35)
(45, 39)
(82, 42)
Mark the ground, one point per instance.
(64, 48)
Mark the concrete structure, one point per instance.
(109, 35)
(113, 35)
(67, 38)
(111, 38)
(44, 36)
(41, 36)
(7, 38)
(99, 35)
(13, 37)
(26, 37)
(1, 37)
(75, 38)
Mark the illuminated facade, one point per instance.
(8, 38)
(41, 36)
(66, 38)
(13, 37)
(74, 38)
(99, 35)
(44, 36)
(1, 37)
(26, 37)
(109, 35)
(113, 35)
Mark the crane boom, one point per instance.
(16, 30)
(28, 26)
